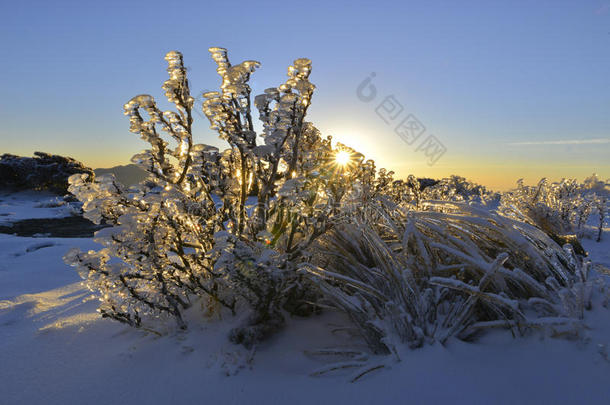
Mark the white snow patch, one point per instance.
(32, 204)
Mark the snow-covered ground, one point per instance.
(54, 349)
(32, 204)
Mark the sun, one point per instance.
(342, 158)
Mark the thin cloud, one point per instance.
(565, 142)
(602, 10)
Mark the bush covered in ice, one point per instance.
(456, 188)
(190, 232)
(561, 208)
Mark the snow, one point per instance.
(55, 349)
(31, 204)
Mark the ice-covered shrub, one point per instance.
(557, 208)
(456, 188)
(596, 185)
(561, 208)
(600, 203)
(599, 193)
(414, 191)
(189, 232)
(450, 269)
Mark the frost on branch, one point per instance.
(456, 188)
(188, 233)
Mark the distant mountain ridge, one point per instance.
(128, 175)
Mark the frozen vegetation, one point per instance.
(294, 266)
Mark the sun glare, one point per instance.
(343, 157)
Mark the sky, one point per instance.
(507, 89)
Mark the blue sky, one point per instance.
(512, 89)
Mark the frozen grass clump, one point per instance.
(412, 277)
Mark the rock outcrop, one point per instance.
(41, 172)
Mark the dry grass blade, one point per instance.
(367, 371)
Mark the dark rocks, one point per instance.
(68, 227)
(425, 182)
(41, 172)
